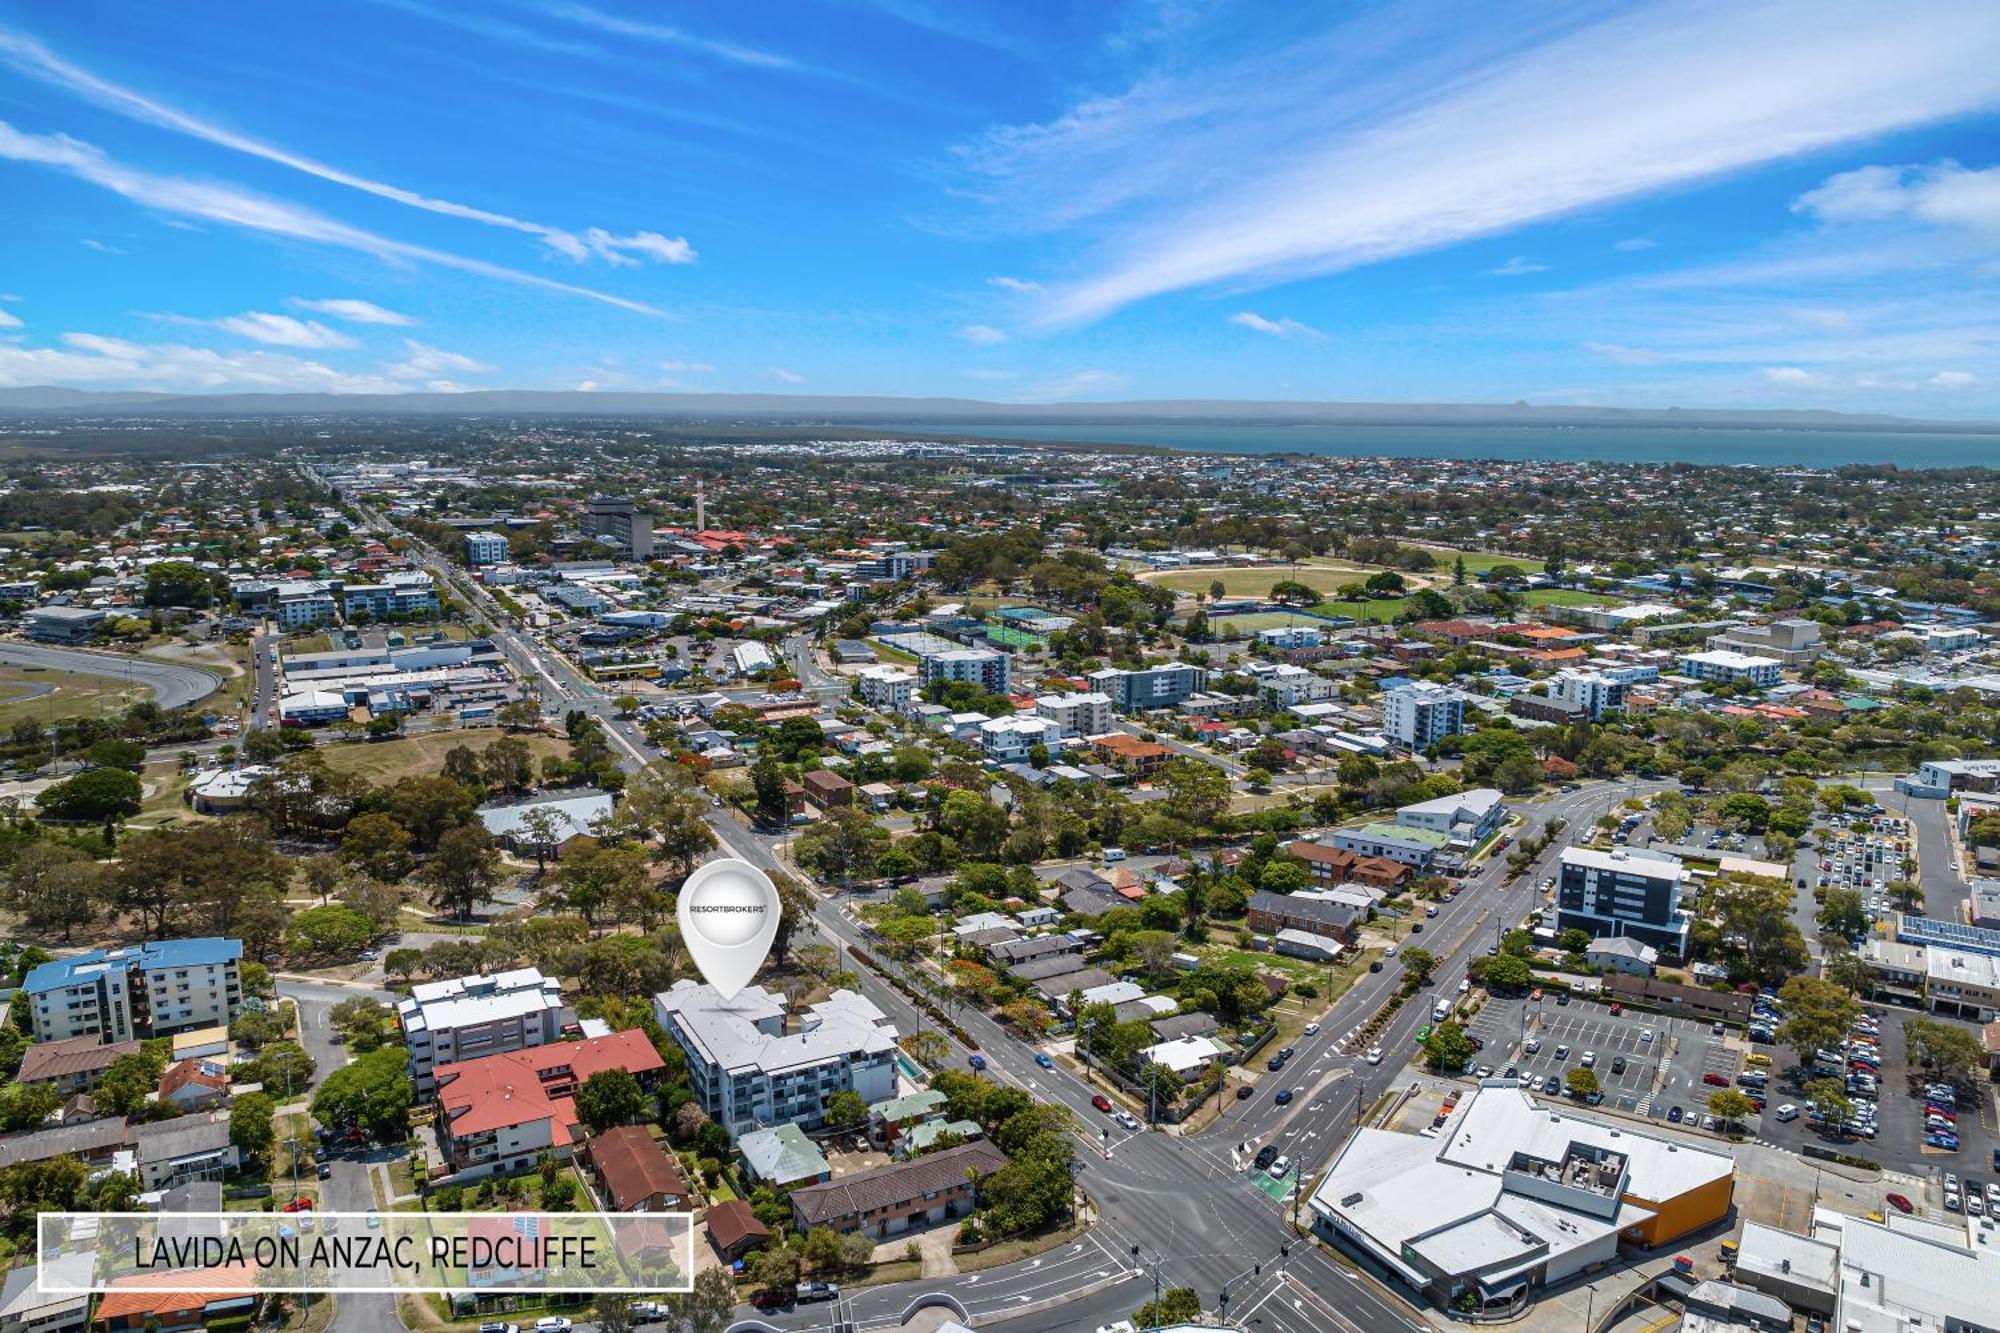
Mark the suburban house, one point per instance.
(1336, 865)
(1306, 910)
(74, 1064)
(517, 824)
(170, 1302)
(1415, 847)
(827, 790)
(1131, 755)
(633, 1173)
(502, 1112)
(189, 1147)
(1622, 953)
(904, 1196)
(783, 1156)
(195, 1084)
(735, 1230)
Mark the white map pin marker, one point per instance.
(729, 916)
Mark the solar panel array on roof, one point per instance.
(1951, 934)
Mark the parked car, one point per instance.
(1312, 1029)
(1900, 1204)
(553, 1323)
(1244, 1092)
(819, 1291)
(1674, 1115)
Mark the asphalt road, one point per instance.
(174, 685)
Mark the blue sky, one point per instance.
(1786, 204)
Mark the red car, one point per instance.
(1617, 1009)
(1101, 1102)
(1716, 1079)
(1900, 1204)
(298, 1205)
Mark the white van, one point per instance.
(1114, 853)
(1440, 1011)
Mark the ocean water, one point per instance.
(1615, 444)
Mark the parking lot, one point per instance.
(1659, 1074)
(1898, 1142)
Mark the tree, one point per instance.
(54, 887)
(251, 1130)
(178, 583)
(595, 877)
(1197, 791)
(126, 1084)
(464, 870)
(1177, 1305)
(372, 1094)
(333, 931)
(94, 795)
(709, 1306)
(363, 1023)
(1843, 913)
(541, 827)
(846, 1109)
(1448, 1048)
(1582, 1083)
(845, 845)
(795, 905)
(610, 1097)
(402, 964)
(1953, 1053)
(1573, 940)
(1829, 1098)
(114, 753)
(1730, 1106)
(378, 845)
(611, 1311)
(767, 780)
(1506, 972)
(1419, 964)
(1817, 1014)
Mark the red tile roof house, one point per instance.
(502, 1112)
(633, 1173)
(195, 1084)
(199, 1296)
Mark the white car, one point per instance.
(1788, 1112)
(552, 1324)
(1312, 1029)
(1127, 1119)
(1645, 1034)
(1464, 985)
(1374, 1055)
(1589, 1059)
(1278, 1168)
(1532, 1045)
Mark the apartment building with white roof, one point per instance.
(465, 1018)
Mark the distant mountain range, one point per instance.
(861, 410)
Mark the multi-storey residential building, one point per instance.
(403, 593)
(485, 548)
(1076, 714)
(1947, 777)
(1011, 740)
(302, 603)
(139, 991)
(1595, 692)
(615, 519)
(1628, 891)
(750, 1067)
(887, 688)
(1794, 642)
(502, 1112)
(1465, 816)
(1416, 716)
(1726, 667)
(1162, 686)
(465, 1018)
(989, 670)
(1290, 636)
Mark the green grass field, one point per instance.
(419, 756)
(68, 694)
(1478, 562)
(1319, 575)
(1250, 624)
(1379, 609)
(1565, 597)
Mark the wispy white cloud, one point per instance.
(687, 367)
(1311, 156)
(91, 243)
(1796, 377)
(9, 320)
(1953, 379)
(621, 249)
(1942, 194)
(982, 335)
(31, 57)
(280, 330)
(87, 358)
(425, 362)
(1518, 266)
(1634, 243)
(352, 310)
(789, 377)
(1824, 319)
(1019, 286)
(184, 197)
(591, 17)
(1276, 328)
